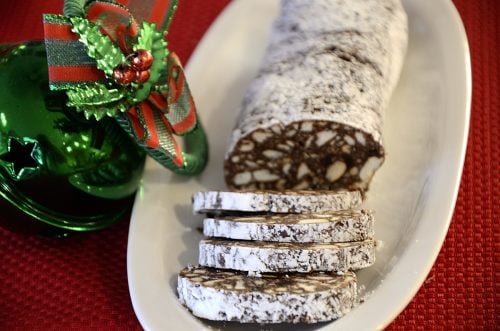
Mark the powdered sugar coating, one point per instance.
(382, 24)
(262, 256)
(365, 16)
(343, 226)
(233, 296)
(275, 202)
(319, 87)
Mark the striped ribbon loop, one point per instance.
(114, 20)
(68, 62)
(159, 12)
(181, 108)
(155, 120)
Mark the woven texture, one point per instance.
(81, 282)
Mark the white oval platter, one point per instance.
(413, 194)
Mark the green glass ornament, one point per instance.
(55, 165)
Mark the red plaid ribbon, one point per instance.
(162, 114)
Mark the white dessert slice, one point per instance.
(275, 202)
(340, 226)
(295, 298)
(260, 256)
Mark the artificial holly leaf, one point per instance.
(95, 99)
(153, 41)
(99, 47)
(94, 94)
(98, 112)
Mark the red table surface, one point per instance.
(81, 282)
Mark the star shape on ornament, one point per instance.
(22, 159)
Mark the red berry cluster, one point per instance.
(138, 69)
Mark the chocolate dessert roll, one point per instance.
(312, 117)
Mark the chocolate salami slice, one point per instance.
(341, 226)
(275, 202)
(260, 256)
(295, 298)
(312, 117)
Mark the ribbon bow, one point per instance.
(112, 61)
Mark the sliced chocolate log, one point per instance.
(341, 226)
(295, 298)
(275, 202)
(260, 256)
(312, 117)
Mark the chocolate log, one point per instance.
(342, 226)
(275, 202)
(260, 256)
(233, 296)
(312, 117)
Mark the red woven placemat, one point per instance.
(81, 282)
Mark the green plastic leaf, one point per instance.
(95, 99)
(154, 42)
(94, 94)
(98, 112)
(99, 46)
(146, 37)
